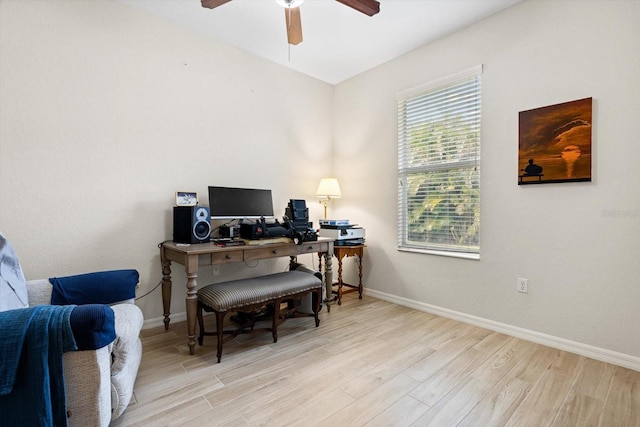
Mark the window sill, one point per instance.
(462, 255)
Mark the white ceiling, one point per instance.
(339, 42)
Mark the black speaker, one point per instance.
(191, 224)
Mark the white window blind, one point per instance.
(439, 165)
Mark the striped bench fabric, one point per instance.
(253, 293)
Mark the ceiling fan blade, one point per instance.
(368, 7)
(210, 4)
(294, 25)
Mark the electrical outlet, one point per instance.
(523, 285)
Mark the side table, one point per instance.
(348, 251)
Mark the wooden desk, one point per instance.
(189, 256)
(348, 251)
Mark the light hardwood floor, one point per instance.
(373, 363)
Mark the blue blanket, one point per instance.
(93, 325)
(103, 287)
(32, 341)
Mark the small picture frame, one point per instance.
(184, 198)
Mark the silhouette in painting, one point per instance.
(532, 170)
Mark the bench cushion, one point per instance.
(238, 293)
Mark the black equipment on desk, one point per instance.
(262, 230)
(296, 225)
(229, 231)
(297, 216)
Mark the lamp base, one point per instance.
(324, 204)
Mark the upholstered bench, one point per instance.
(251, 294)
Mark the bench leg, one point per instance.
(220, 331)
(200, 324)
(276, 319)
(317, 297)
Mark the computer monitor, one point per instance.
(240, 203)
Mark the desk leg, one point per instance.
(191, 301)
(328, 277)
(166, 292)
(360, 256)
(340, 280)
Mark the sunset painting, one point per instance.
(555, 143)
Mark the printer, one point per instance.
(343, 233)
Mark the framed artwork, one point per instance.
(555, 143)
(184, 198)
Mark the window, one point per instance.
(439, 166)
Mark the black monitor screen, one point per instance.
(239, 203)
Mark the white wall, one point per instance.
(105, 112)
(582, 264)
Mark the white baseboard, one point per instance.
(604, 355)
(159, 321)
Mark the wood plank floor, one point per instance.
(373, 363)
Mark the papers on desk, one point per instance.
(268, 241)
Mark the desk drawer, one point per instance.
(312, 247)
(271, 252)
(231, 256)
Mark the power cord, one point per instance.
(154, 288)
(160, 282)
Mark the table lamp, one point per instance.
(327, 190)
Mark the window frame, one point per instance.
(439, 168)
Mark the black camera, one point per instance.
(297, 221)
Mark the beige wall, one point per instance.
(105, 112)
(582, 264)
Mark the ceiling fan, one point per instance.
(292, 13)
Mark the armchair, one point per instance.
(98, 383)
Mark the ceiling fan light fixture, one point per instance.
(289, 3)
(292, 13)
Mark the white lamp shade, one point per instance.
(329, 189)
